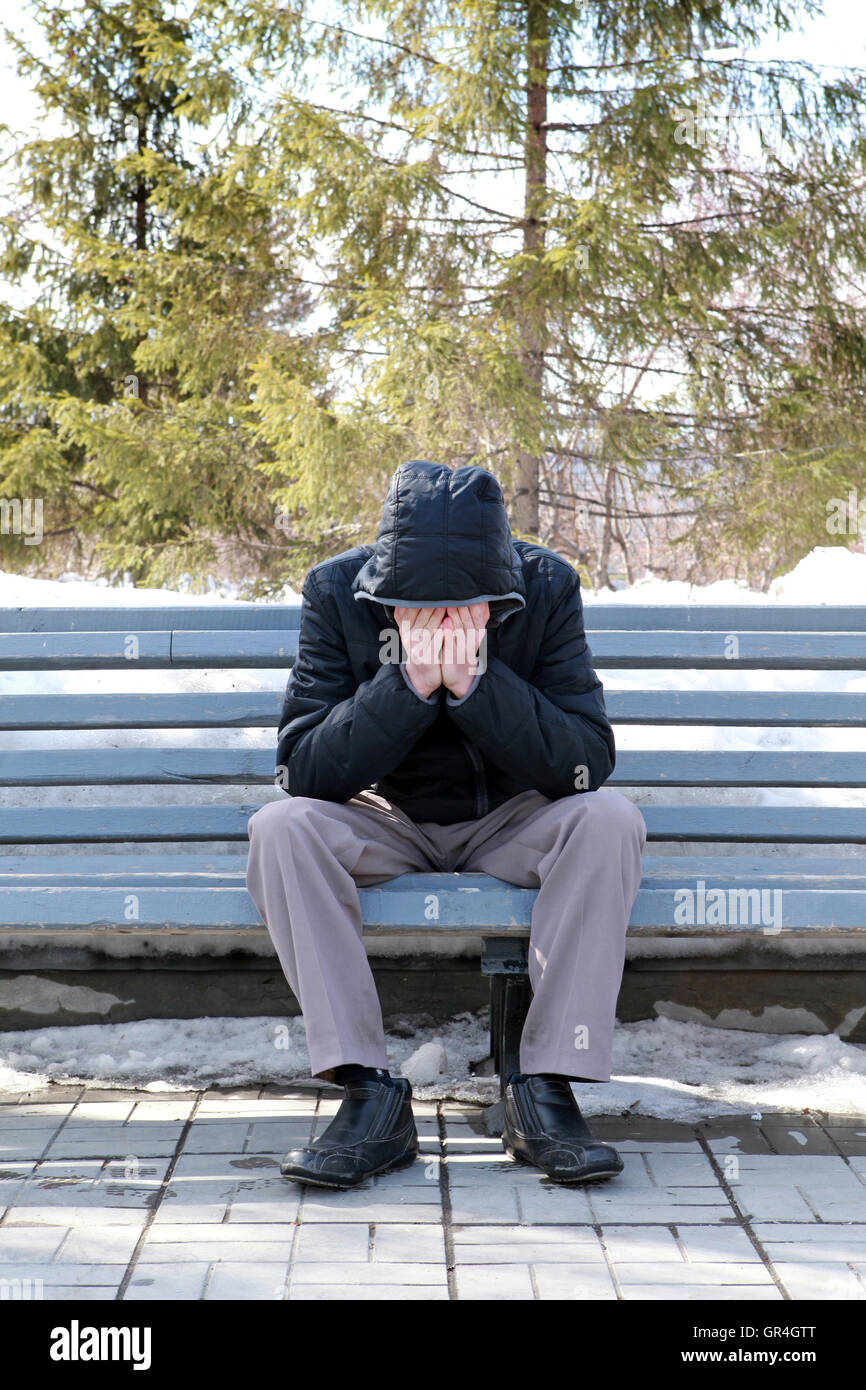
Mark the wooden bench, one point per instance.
(138, 868)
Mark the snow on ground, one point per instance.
(663, 1067)
(20, 590)
(828, 574)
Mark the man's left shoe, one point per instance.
(543, 1125)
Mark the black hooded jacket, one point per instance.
(534, 716)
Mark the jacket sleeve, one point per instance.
(335, 736)
(544, 729)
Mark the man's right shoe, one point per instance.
(372, 1132)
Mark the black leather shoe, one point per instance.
(543, 1125)
(373, 1130)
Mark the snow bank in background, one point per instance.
(19, 590)
(828, 574)
(663, 1067)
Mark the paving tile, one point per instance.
(104, 1111)
(29, 1243)
(855, 1121)
(273, 1138)
(83, 1293)
(706, 1243)
(809, 1252)
(266, 1211)
(134, 1134)
(471, 1169)
(472, 1204)
(164, 1281)
(711, 1272)
(412, 1244)
(372, 1293)
(230, 1165)
(544, 1203)
(777, 1169)
(26, 1109)
(162, 1111)
(852, 1142)
(117, 1148)
(644, 1213)
(853, 1234)
(113, 1244)
(578, 1281)
(833, 1212)
(60, 1193)
(42, 1122)
(70, 1275)
(217, 1137)
(320, 1208)
(526, 1244)
(195, 1200)
(652, 1146)
(734, 1135)
(681, 1170)
(208, 1213)
(797, 1138)
(771, 1203)
(23, 1146)
(182, 1252)
(641, 1129)
(494, 1281)
(54, 1216)
(822, 1279)
(341, 1243)
(647, 1244)
(49, 1095)
(703, 1293)
(247, 1281)
(224, 1233)
(353, 1272)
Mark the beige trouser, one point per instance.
(583, 853)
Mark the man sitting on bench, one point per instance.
(482, 751)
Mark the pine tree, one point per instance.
(152, 268)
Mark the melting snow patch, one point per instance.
(664, 1067)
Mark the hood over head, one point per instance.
(444, 539)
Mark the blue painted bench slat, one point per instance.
(228, 870)
(266, 648)
(261, 708)
(630, 617)
(400, 905)
(39, 767)
(40, 825)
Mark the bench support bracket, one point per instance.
(505, 960)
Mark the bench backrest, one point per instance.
(260, 636)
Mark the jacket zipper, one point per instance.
(481, 800)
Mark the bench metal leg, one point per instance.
(504, 959)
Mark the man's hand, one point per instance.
(460, 651)
(421, 634)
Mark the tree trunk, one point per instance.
(533, 317)
(607, 534)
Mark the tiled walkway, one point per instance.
(130, 1195)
